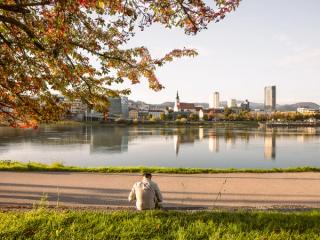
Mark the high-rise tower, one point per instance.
(270, 98)
(214, 100)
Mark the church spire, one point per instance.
(177, 103)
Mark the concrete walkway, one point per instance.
(97, 190)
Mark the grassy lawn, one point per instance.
(52, 224)
(6, 165)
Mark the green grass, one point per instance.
(71, 224)
(7, 165)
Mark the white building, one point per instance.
(183, 107)
(232, 103)
(307, 110)
(76, 106)
(156, 113)
(214, 101)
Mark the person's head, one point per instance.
(147, 175)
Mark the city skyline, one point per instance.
(240, 55)
(214, 100)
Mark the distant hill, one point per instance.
(293, 107)
(257, 106)
(167, 104)
(171, 104)
(204, 105)
(286, 107)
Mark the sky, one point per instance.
(262, 43)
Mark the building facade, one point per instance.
(125, 107)
(118, 107)
(232, 103)
(307, 111)
(182, 106)
(214, 101)
(76, 106)
(156, 113)
(245, 105)
(270, 98)
(133, 113)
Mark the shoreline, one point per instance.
(188, 124)
(146, 123)
(9, 165)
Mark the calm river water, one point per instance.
(217, 147)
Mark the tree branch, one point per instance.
(23, 27)
(20, 7)
(101, 54)
(5, 41)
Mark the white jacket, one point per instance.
(146, 193)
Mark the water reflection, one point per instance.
(100, 139)
(187, 143)
(185, 136)
(270, 146)
(232, 137)
(310, 131)
(213, 144)
(213, 141)
(116, 140)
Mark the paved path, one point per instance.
(97, 190)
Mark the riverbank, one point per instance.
(8, 165)
(187, 123)
(153, 123)
(52, 224)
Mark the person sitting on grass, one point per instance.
(146, 193)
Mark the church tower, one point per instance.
(177, 103)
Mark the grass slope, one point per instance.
(7, 165)
(52, 224)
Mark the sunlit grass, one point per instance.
(7, 165)
(52, 224)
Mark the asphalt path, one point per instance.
(180, 191)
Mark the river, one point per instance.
(200, 147)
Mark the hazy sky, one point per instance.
(273, 42)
